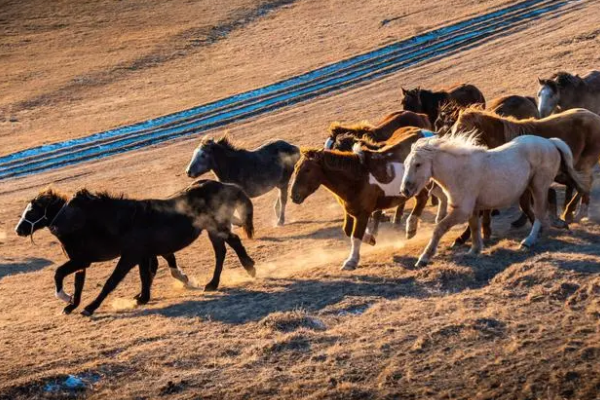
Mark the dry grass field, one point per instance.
(509, 324)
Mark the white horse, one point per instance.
(475, 178)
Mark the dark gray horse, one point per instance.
(256, 171)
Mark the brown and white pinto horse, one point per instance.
(380, 132)
(579, 128)
(564, 91)
(349, 180)
(429, 102)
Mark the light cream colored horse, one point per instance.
(475, 178)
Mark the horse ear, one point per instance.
(541, 81)
(404, 91)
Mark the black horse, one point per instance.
(256, 171)
(100, 227)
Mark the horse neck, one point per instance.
(56, 205)
(225, 167)
(341, 182)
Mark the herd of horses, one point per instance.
(469, 156)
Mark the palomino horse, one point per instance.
(579, 128)
(428, 102)
(519, 107)
(564, 91)
(380, 132)
(256, 171)
(475, 179)
(348, 179)
(141, 229)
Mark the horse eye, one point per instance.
(417, 165)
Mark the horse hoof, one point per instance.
(280, 222)
(349, 265)
(247, 262)
(211, 287)
(68, 309)
(411, 234)
(457, 243)
(560, 224)
(369, 239)
(63, 296)
(526, 246)
(421, 264)
(87, 313)
(140, 301)
(251, 271)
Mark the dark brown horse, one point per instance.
(95, 227)
(579, 128)
(380, 132)
(256, 171)
(349, 180)
(83, 249)
(429, 102)
(564, 91)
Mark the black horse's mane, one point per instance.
(565, 79)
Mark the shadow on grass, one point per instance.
(242, 305)
(30, 264)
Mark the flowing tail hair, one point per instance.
(582, 183)
(246, 211)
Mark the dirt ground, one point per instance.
(508, 324)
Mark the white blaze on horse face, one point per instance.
(328, 144)
(192, 169)
(391, 189)
(545, 99)
(24, 215)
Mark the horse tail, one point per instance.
(582, 183)
(246, 210)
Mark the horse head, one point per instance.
(548, 97)
(203, 158)
(308, 175)
(412, 100)
(40, 212)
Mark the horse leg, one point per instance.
(487, 225)
(398, 214)
(442, 210)
(63, 271)
(218, 244)
(568, 195)
(413, 219)
(582, 211)
(348, 224)
(146, 267)
(540, 209)
(552, 211)
(456, 216)
(360, 225)
(176, 272)
(76, 299)
(475, 227)
(280, 205)
(124, 265)
(370, 236)
(462, 238)
(235, 243)
(570, 209)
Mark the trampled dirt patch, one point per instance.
(509, 324)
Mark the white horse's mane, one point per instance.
(461, 143)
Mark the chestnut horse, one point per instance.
(380, 132)
(579, 128)
(564, 91)
(349, 181)
(429, 102)
(519, 107)
(396, 148)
